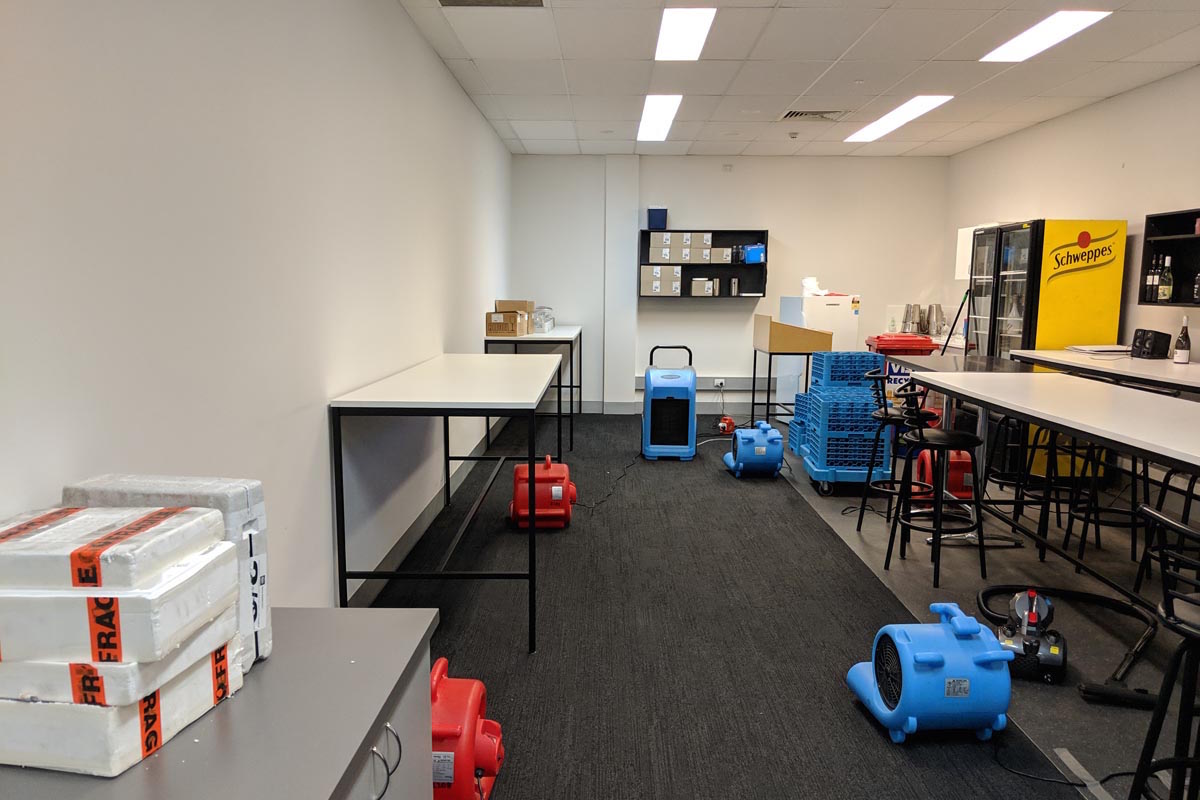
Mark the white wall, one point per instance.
(1131, 155)
(213, 218)
(557, 249)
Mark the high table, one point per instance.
(572, 337)
(452, 385)
(1160, 373)
(344, 695)
(1165, 430)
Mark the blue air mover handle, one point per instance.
(670, 347)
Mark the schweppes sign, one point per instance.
(1086, 252)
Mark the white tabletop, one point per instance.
(561, 333)
(461, 381)
(1155, 371)
(1143, 421)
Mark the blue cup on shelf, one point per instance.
(656, 218)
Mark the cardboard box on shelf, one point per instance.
(515, 305)
(660, 239)
(660, 255)
(680, 253)
(722, 255)
(506, 323)
(702, 239)
(686, 239)
(652, 277)
(703, 287)
(676, 288)
(676, 272)
(701, 255)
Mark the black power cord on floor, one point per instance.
(611, 489)
(1047, 779)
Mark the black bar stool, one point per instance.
(1179, 568)
(1085, 500)
(893, 418)
(1151, 546)
(940, 443)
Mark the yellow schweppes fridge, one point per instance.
(1046, 284)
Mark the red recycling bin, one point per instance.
(901, 344)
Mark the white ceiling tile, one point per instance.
(1160, 5)
(983, 131)
(544, 76)
(514, 146)
(829, 148)
(608, 32)
(544, 129)
(940, 148)
(946, 77)
(731, 131)
(794, 130)
(437, 31)
(921, 131)
(777, 77)
(1050, 6)
(874, 108)
(1122, 34)
(488, 105)
(734, 32)
(813, 34)
(1033, 77)
(662, 148)
(880, 4)
(604, 3)
(535, 106)
(1039, 109)
(908, 34)
(606, 147)
(752, 107)
(606, 130)
(1116, 77)
(504, 129)
(468, 75)
(411, 4)
(784, 148)
(608, 107)
(978, 5)
(551, 147)
(721, 4)
(815, 102)
(838, 131)
(716, 148)
(970, 107)
(684, 130)
(863, 77)
(884, 149)
(504, 32)
(697, 107)
(607, 76)
(1184, 47)
(993, 33)
(692, 77)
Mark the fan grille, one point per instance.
(889, 676)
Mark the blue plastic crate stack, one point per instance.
(832, 430)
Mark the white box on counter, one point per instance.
(243, 507)
(107, 740)
(109, 548)
(140, 624)
(113, 683)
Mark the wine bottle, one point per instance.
(1166, 282)
(1183, 345)
(1148, 284)
(1196, 290)
(1155, 274)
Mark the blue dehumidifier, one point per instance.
(669, 409)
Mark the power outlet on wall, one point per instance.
(718, 383)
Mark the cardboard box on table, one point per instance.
(778, 337)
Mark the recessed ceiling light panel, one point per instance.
(921, 104)
(657, 115)
(682, 33)
(1047, 33)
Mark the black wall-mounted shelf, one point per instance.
(752, 278)
(1173, 234)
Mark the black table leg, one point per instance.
(754, 387)
(770, 408)
(487, 421)
(339, 509)
(532, 531)
(581, 371)
(446, 458)
(571, 397)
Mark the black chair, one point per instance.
(887, 417)
(940, 443)
(1151, 546)
(1085, 499)
(1179, 611)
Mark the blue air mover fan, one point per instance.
(948, 674)
(669, 409)
(756, 451)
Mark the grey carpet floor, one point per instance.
(695, 632)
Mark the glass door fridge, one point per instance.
(1015, 306)
(983, 278)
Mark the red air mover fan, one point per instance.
(467, 747)
(726, 425)
(555, 495)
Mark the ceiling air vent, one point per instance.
(492, 3)
(814, 116)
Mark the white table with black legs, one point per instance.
(1158, 373)
(569, 335)
(452, 385)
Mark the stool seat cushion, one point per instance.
(897, 415)
(942, 440)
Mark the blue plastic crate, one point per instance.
(846, 450)
(795, 435)
(842, 474)
(844, 368)
(801, 407)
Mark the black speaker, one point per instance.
(1150, 344)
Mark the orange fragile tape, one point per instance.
(104, 628)
(87, 685)
(151, 716)
(220, 673)
(85, 560)
(38, 523)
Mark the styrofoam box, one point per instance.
(107, 740)
(242, 504)
(110, 548)
(112, 684)
(141, 624)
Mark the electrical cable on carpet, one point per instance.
(611, 489)
(1047, 779)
